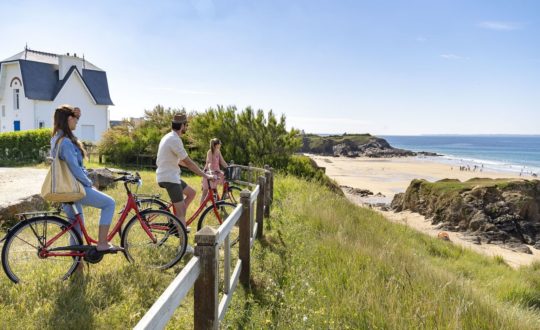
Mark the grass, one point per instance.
(323, 263)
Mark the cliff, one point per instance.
(501, 211)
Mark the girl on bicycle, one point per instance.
(213, 160)
(72, 152)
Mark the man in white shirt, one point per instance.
(171, 154)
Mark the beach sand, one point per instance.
(389, 176)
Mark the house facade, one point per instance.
(34, 83)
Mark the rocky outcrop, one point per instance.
(354, 145)
(375, 147)
(102, 178)
(494, 211)
(8, 212)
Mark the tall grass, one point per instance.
(323, 263)
(326, 263)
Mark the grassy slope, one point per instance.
(324, 263)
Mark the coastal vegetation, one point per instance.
(247, 136)
(323, 263)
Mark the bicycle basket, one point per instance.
(233, 173)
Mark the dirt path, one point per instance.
(19, 183)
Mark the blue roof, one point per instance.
(96, 81)
(40, 81)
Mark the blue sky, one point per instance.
(382, 67)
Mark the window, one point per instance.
(3, 111)
(16, 99)
(41, 124)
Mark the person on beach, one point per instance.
(72, 152)
(171, 154)
(213, 161)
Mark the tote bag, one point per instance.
(60, 185)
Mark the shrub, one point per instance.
(24, 147)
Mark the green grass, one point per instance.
(323, 263)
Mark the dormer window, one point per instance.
(16, 102)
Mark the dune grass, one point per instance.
(326, 263)
(323, 263)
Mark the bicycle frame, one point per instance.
(213, 197)
(130, 205)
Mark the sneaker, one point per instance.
(188, 230)
(189, 250)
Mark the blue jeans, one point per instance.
(96, 199)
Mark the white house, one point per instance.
(34, 83)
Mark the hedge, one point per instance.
(24, 147)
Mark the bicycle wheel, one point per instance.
(20, 255)
(151, 203)
(170, 245)
(232, 195)
(214, 218)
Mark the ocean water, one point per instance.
(506, 153)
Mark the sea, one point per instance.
(504, 153)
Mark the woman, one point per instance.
(213, 160)
(72, 152)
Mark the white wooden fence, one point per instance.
(201, 272)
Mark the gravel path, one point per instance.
(19, 183)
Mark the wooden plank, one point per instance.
(162, 310)
(224, 304)
(228, 224)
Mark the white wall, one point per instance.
(65, 62)
(75, 94)
(25, 113)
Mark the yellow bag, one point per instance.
(60, 185)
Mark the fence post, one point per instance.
(271, 185)
(260, 206)
(244, 253)
(267, 175)
(206, 287)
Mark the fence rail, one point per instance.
(201, 272)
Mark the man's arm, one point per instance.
(187, 162)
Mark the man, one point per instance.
(171, 154)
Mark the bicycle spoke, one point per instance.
(170, 238)
(21, 257)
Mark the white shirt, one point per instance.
(171, 150)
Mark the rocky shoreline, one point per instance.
(502, 212)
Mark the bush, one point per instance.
(247, 136)
(24, 147)
(304, 167)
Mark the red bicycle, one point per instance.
(212, 215)
(47, 244)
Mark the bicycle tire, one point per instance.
(23, 241)
(209, 218)
(232, 195)
(171, 240)
(152, 203)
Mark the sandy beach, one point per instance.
(389, 176)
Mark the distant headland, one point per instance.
(354, 145)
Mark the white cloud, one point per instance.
(452, 57)
(500, 26)
(421, 39)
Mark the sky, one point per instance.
(381, 67)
